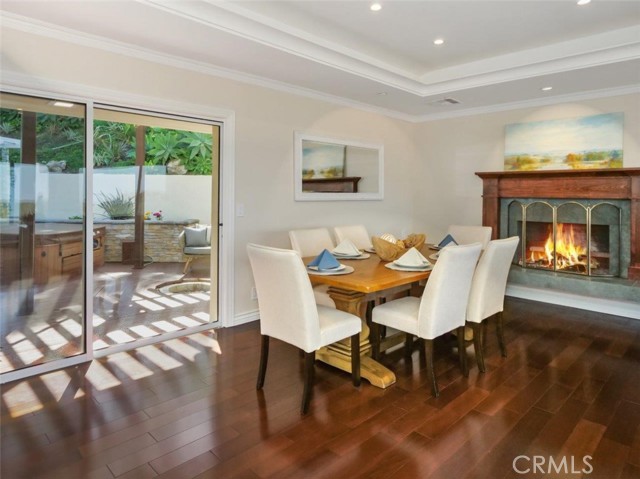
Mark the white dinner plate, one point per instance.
(395, 267)
(332, 272)
(370, 250)
(412, 267)
(434, 256)
(315, 268)
(360, 256)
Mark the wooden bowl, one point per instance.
(388, 251)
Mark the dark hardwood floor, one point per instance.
(187, 408)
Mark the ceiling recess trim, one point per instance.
(29, 25)
(600, 49)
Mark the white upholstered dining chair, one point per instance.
(441, 309)
(486, 298)
(311, 242)
(288, 312)
(471, 234)
(358, 235)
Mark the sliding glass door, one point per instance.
(155, 181)
(42, 231)
(154, 184)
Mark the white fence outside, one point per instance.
(59, 196)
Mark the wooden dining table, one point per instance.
(369, 281)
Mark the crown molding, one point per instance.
(29, 25)
(595, 50)
(18, 80)
(518, 105)
(592, 59)
(21, 83)
(599, 49)
(238, 21)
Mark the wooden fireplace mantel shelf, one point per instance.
(549, 173)
(346, 184)
(613, 183)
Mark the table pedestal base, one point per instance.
(339, 354)
(371, 370)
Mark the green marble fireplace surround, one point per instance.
(617, 189)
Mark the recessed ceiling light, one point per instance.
(438, 41)
(583, 2)
(546, 88)
(375, 7)
(62, 104)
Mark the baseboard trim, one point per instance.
(626, 309)
(244, 318)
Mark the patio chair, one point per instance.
(197, 243)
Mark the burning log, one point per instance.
(566, 255)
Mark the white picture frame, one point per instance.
(337, 162)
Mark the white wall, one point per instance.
(265, 125)
(451, 151)
(364, 162)
(429, 167)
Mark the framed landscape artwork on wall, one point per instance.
(578, 143)
(322, 160)
(337, 169)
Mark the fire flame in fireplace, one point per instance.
(568, 253)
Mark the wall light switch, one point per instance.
(240, 210)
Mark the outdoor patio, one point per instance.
(127, 307)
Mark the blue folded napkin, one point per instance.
(325, 260)
(447, 239)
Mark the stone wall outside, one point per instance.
(162, 241)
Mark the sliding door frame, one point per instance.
(215, 295)
(28, 85)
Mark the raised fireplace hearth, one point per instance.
(582, 222)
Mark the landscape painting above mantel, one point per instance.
(577, 143)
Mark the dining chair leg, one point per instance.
(477, 345)
(500, 332)
(264, 358)
(408, 345)
(355, 359)
(369, 313)
(374, 337)
(428, 350)
(462, 352)
(309, 370)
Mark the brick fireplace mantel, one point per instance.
(614, 183)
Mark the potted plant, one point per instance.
(116, 206)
